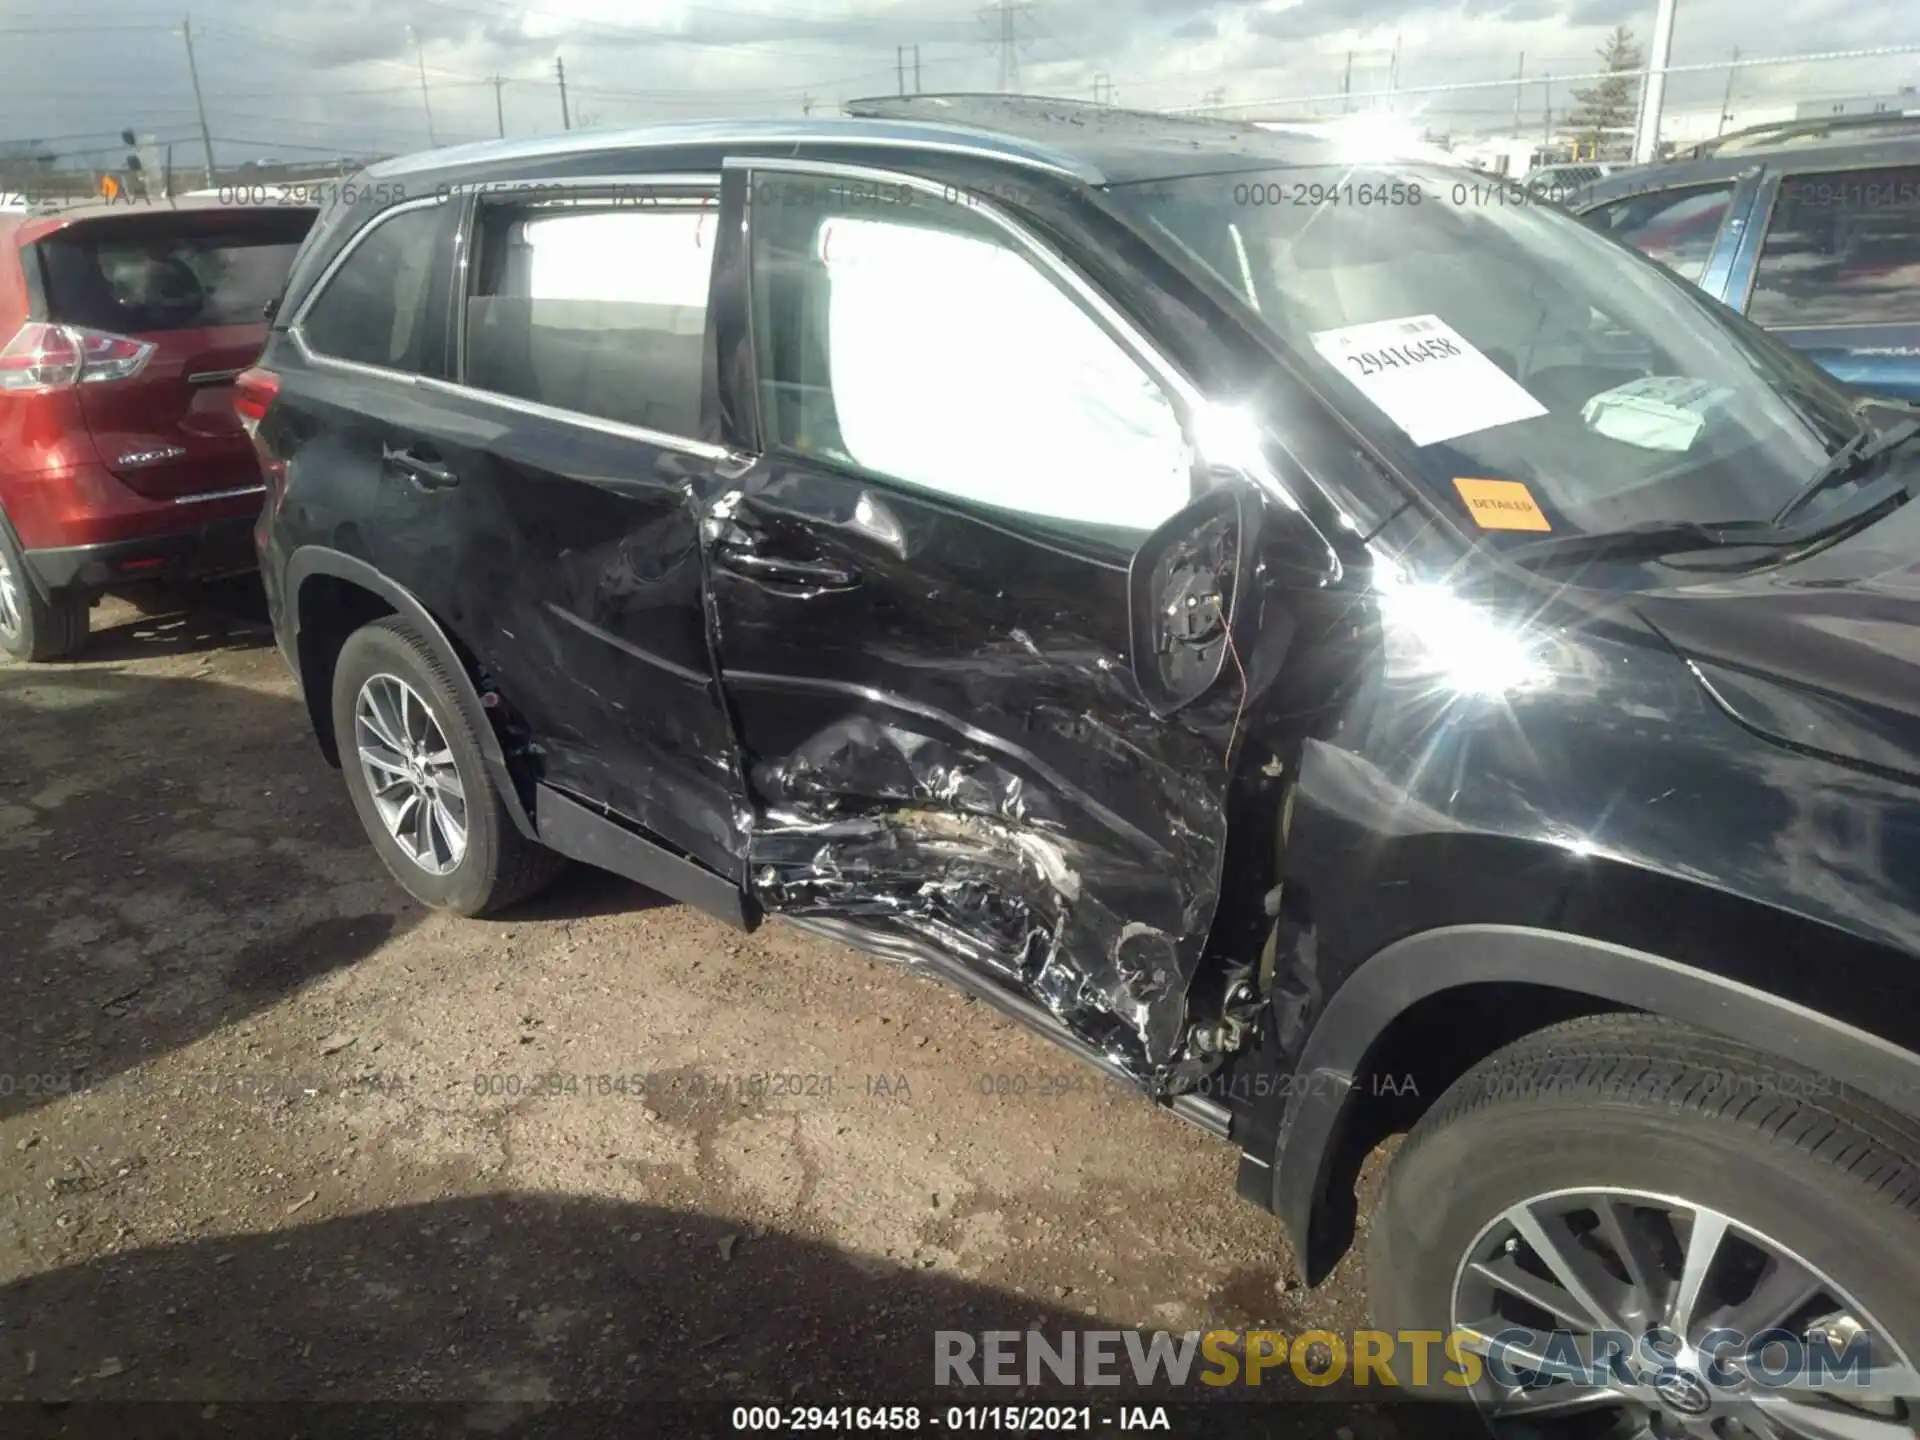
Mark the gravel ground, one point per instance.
(269, 1131)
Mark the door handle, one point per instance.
(425, 473)
(774, 570)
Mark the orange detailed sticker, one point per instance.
(1502, 505)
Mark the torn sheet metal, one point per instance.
(937, 844)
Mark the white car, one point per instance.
(1560, 183)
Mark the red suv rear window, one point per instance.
(135, 279)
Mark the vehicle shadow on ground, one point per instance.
(536, 1315)
(154, 621)
(174, 854)
(584, 893)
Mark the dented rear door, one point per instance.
(919, 599)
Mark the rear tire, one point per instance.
(436, 819)
(32, 626)
(1623, 1135)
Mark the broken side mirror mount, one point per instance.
(1184, 591)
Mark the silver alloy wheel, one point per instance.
(1552, 1275)
(11, 615)
(410, 773)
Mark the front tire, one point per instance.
(1622, 1174)
(419, 782)
(34, 627)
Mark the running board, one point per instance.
(1209, 1115)
(564, 824)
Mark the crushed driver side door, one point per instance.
(919, 593)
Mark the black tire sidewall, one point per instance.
(19, 645)
(382, 648)
(1443, 1190)
(48, 626)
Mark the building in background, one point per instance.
(1690, 127)
(1904, 101)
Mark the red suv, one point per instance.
(122, 328)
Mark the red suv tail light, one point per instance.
(254, 392)
(59, 357)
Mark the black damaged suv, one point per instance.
(1346, 656)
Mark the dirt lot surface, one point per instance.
(269, 1131)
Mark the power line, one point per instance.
(74, 29)
(426, 100)
(855, 38)
(199, 105)
(226, 30)
(1824, 56)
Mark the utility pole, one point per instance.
(560, 70)
(1519, 89)
(1726, 100)
(900, 69)
(426, 100)
(1103, 89)
(499, 106)
(1009, 56)
(1653, 90)
(193, 69)
(1546, 130)
(916, 67)
(1346, 86)
(1393, 74)
(1006, 14)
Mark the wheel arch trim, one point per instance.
(1432, 962)
(311, 560)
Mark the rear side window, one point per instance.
(596, 308)
(136, 280)
(373, 310)
(1676, 227)
(1843, 249)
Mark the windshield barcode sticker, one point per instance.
(1427, 377)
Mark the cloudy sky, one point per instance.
(305, 81)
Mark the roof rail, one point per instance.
(957, 105)
(1809, 132)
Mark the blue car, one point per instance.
(1812, 229)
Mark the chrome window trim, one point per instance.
(465, 234)
(680, 443)
(325, 278)
(351, 367)
(1187, 397)
(509, 191)
(660, 439)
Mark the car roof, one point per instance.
(37, 226)
(1095, 144)
(1800, 148)
(1822, 130)
(1084, 143)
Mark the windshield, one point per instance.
(1536, 376)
